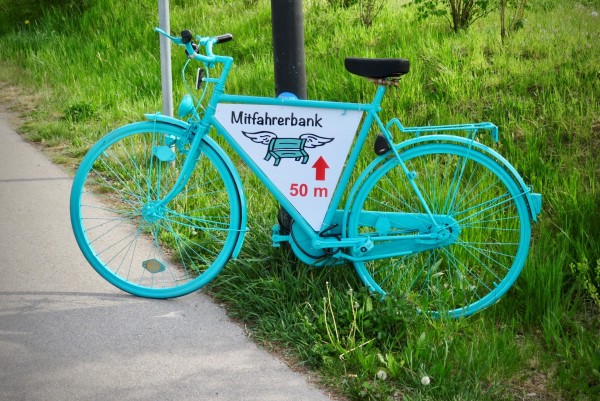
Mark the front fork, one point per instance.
(196, 133)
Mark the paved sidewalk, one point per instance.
(66, 334)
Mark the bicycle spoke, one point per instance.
(472, 271)
(129, 238)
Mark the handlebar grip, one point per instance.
(224, 38)
(186, 36)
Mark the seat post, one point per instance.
(381, 88)
(385, 81)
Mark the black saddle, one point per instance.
(377, 68)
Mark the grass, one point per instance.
(85, 70)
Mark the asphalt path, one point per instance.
(66, 334)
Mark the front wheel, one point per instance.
(150, 251)
(476, 192)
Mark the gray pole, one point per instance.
(165, 58)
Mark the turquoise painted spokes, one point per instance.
(492, 229)
(130, 235)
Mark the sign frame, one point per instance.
(299, 151)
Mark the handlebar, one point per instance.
(185, 40)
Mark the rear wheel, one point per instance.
(475, 191)
(150, 251)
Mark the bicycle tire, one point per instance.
(490, 208)
(164, 253)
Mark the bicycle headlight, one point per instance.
(186, 106)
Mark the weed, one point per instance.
(589, 278)
(79, 111)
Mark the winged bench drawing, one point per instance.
(287, 148)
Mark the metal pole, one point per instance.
(288, 47)
(165, 58)
(287, 21)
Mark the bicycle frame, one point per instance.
(437, 219)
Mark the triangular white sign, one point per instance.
(301, 149)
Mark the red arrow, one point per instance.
(320, 166)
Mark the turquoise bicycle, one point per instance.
(438, 220)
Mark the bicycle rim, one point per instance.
(490, 209)
(147, 251)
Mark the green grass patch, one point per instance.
(83, 70)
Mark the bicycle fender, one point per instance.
(157, 117)
(243, 226)
(534, 200)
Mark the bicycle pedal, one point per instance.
(164, 153)
(277, 236)
(381, 145)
